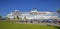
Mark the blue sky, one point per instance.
(7, 6)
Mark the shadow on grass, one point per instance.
(55, 27)
(58, 27)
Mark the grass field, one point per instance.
(11, 25)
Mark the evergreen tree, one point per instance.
(26, 20)
(18, 18)
(58, 11)
(0, 17)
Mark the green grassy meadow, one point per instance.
(11, 25)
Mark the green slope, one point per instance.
(11, 25)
